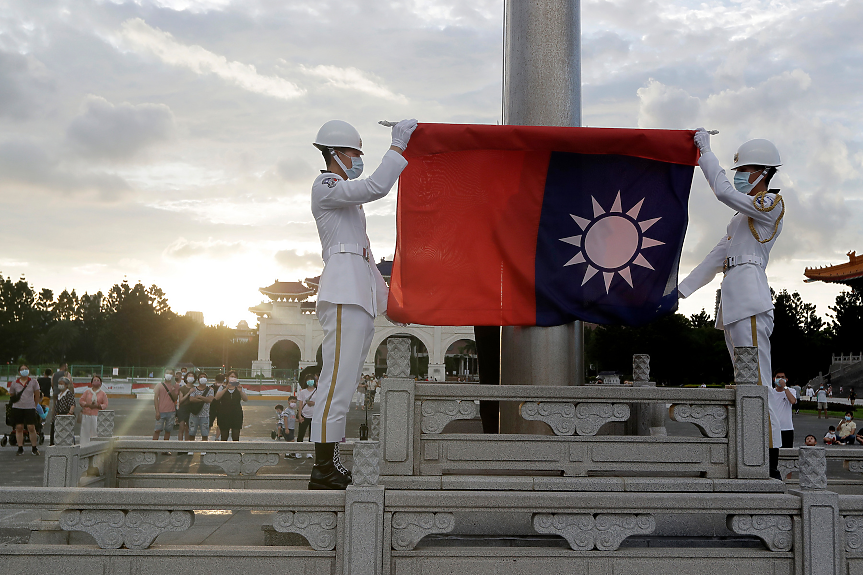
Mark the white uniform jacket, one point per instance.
(745, 291)
(337, 205)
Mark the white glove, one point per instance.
(402, 133)
(702, 140)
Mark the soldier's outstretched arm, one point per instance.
(704, 273)
(338, 193)
(728, 195)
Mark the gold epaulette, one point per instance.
(758, 202)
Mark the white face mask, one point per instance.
(203, 380)
(190, 380)
(169, 376)
(292, 405)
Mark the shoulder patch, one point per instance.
(330, 182)
(764, 201)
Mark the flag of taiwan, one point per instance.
(522, 225)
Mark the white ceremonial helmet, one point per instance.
(338, 134)
(757, 153)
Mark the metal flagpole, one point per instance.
(541, 87)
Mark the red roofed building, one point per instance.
(850, 273)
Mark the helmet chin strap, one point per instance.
(335, 153)
(759, 178)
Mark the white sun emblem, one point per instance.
(611, 242)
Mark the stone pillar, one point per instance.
(649, 417)
(105, 424)
(752, 416)
(823, 528)
(362, 551)
(542, 87)
(397, 410)
(64, 430)
(375, 427)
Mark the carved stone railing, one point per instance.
(413, 416)
(133, 518)
(587, 521)
(851, 458)
(732, 421)
(122, 461)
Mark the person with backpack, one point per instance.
(24, 394)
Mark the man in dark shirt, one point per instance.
(45, 383)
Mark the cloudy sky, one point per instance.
(169, 141)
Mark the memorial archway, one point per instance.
(285, 354)
(460, 359)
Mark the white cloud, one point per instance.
(201, 61)
(354, 79)
(295, 260)
(666, 107)
(89, 269)
(181, 248)
(105, 130)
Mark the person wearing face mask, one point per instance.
(165, 395)
(65, 400)
(845, 430)
(230, 399)
(306, 400)
(187, 384)
(199, 399)
(351, 290)
(746, 306)
(91, 402)
(24, 394)
(782, 398)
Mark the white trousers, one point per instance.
(348, 332)
(88, 428)
(755, 331)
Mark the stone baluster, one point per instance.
(752, 417)
(364, 512)
(649, 417)
(823, 528)
(812, 466)
(64, 430)
(397, 411)
(105, 423)
(375, 427)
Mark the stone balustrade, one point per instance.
(850, 457)
(381, 530)
(128, 462)
(415, 415)
(592, 429)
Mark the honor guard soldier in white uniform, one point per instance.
(746, 308)
(351, 290)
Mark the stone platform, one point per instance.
(608, 490)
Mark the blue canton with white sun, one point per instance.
(609, 240)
